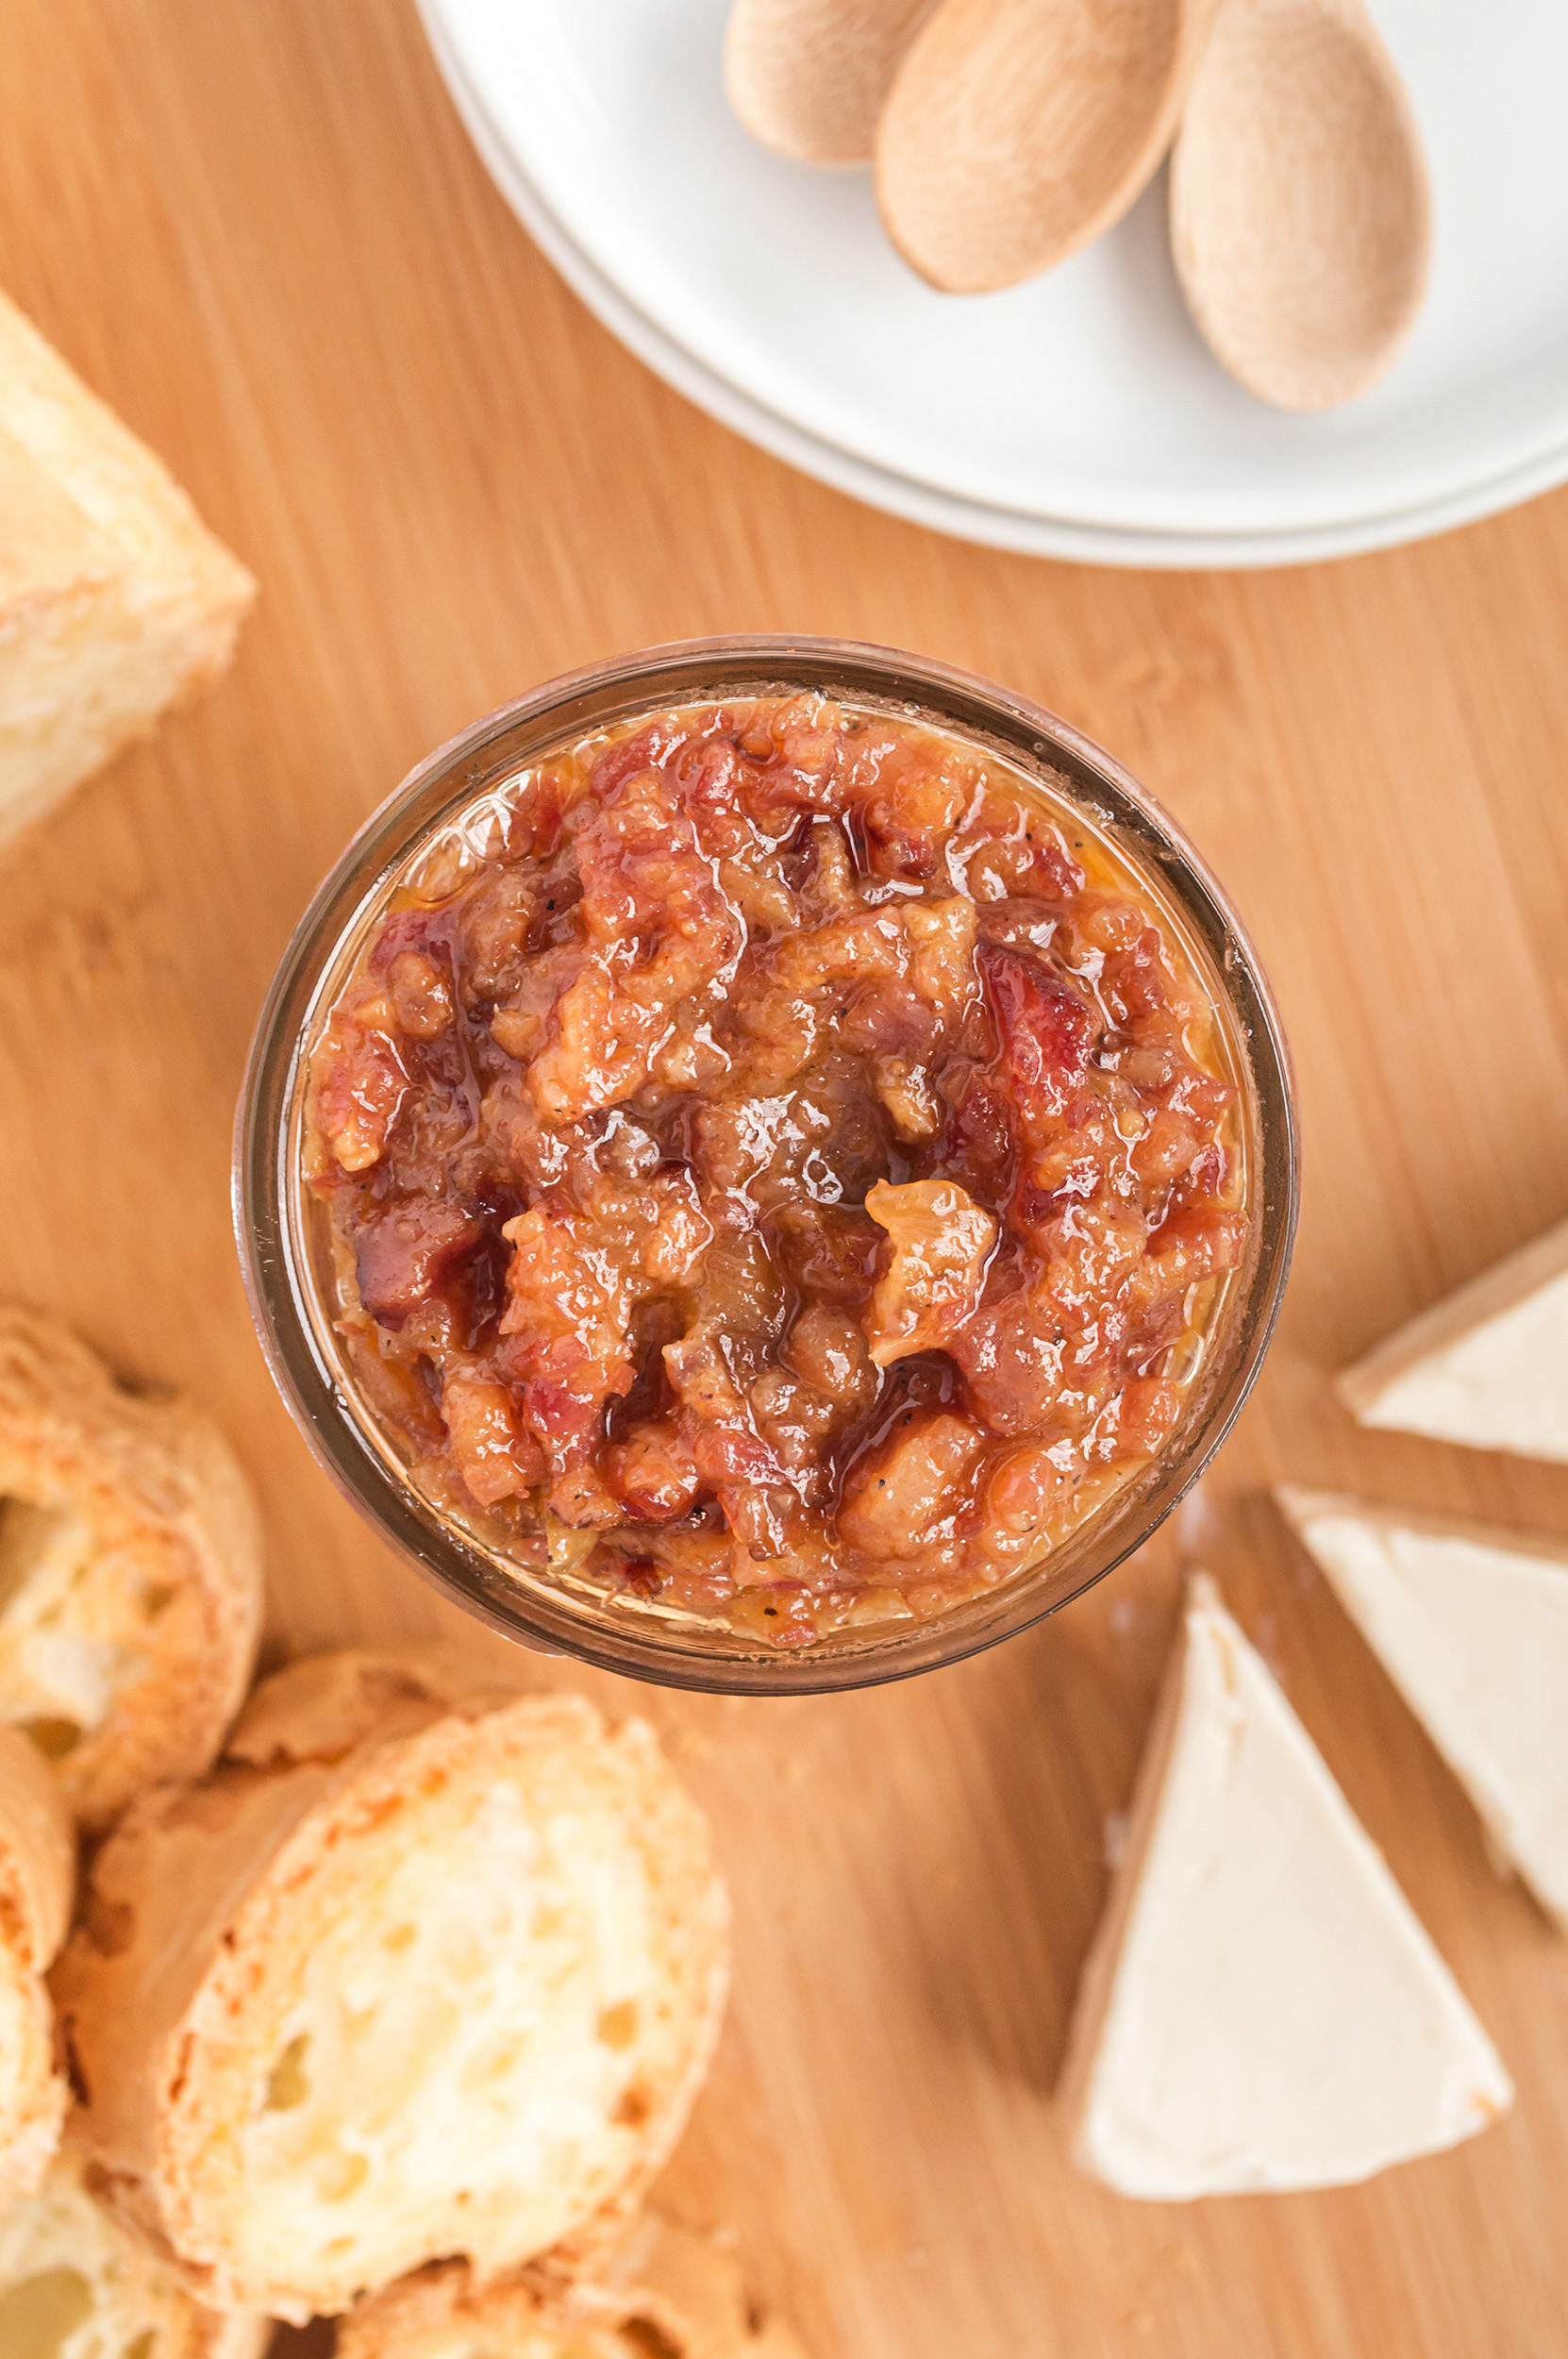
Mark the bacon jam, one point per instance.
(779, 1162)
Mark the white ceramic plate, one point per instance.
(1079, 416)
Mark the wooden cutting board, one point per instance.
(256, 227)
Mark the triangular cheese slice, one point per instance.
(1260, 2009)
(1472, 1627)
(1489, 1366)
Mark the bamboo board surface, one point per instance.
(255, 226)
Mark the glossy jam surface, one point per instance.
(778, 1161)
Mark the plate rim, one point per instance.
(958, 515)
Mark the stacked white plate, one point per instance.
(1079, 416)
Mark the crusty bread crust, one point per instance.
(663, 2287)
(209, 1906)
(38, 1870)
(115, 599)
(37, 1855)
(141, 1546)
(60, 2228)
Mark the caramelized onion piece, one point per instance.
(941, 1242)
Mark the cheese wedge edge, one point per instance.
(1487, 1367)
(1471, 1624)
(1261, 2010)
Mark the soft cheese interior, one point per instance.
(1261, 2009)
(1472, 1627)
(1488, 1367)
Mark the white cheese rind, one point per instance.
(1487, 1367)
(1472, 1627)
(1262, 2009)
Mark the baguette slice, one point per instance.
(130, 1573)
(1260, 2009)
(115, 599)
(1472, 1627)
(73, 2286)
(666, 2292)
(38, 1875)
(412, 1975)
(1488, 1367)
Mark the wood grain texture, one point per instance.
(258, 230)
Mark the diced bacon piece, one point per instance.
(652, 1471)
(646, 880)
(577, 1495)
(357, 1085)
(576, 1278)
(1167, 1148)
(498, 918)
(977, 1146)
(829, 888)
(898, 1498)
(569, 1427)
(942, 969)
(942, 1241)
(1136, 980)
(1145, 1416)
(558, 1289)
(828, 1350)
(519, 1025)
(906, 1091)
(600, 1052)
(1007, 852)
(735, 1453)
(795, 1420)
(420, 993)
(1018, 925)
(681, 1230)
(496, 1456)
(402, 1256)
(759, 1515)
(911, 798)
(859, 948)
(703, 1380)
(781, 1030)
(1012, 1356)
(1026, 1494)
(1107, 923)
(1196, 1242)
(1047, 1031)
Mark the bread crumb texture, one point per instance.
(115, 599)
(38, 1868)
(130, 1573)
(405, 1978)
(664, 2294)
(73, 2286)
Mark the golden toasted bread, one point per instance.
(405, 1977)
(664, 2291)
(38, 1873)
(115, 600)
(73, 2286)
(130, 1573)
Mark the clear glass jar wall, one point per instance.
(287, 1255)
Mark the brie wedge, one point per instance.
(115, 599)
(1472, 1627)
(1260, 2009)
(1489, 1366)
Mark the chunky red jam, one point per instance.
(783, 1167)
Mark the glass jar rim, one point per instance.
(495, 748)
